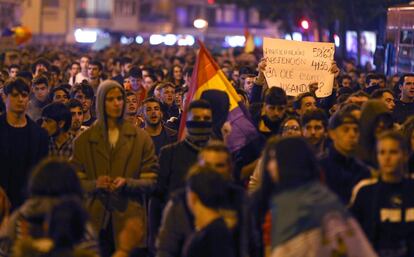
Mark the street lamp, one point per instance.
(305, 24)
(200, 24)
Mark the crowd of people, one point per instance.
(92, 164)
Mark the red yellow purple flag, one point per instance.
(208, 76)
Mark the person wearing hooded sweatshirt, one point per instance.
(249, 153)
(117, 165)
(375, 119)
(306, 218)
(220, 104)
(177, 158)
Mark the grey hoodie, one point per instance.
(103, 90)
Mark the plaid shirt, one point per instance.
(65, 150)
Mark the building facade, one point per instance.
(57, 20)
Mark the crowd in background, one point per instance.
(91, 162)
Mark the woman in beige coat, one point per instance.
(117, 166)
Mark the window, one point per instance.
(94, 9)
(407, 36)
(229, 14)
(254, 16)
(155, 10)
(50, 3)
(181, 16)
(219, 15)
(125, 8)
(242, 16)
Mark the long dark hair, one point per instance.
(67, 224)
(295, 159)
(54, 177)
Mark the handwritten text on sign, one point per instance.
(293, 65)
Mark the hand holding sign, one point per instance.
(294, 65)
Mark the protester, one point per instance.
(173, 234)
(306, 218)
(57, 120)
(133, 83)
(76, 110)
(131, 109)
(84, 66)
(39, 67)
(314, 124)
(290, 127)
(94, 74)
(382, 205)
(160, 134)
(267, 116)
(120, 132)
(176, 159)
(375, 119)
(13, 70)
(220, 105)
(60, 240)
(341, 170)
(59, 94)
(408, 132)
(40, 89)
(22, 142)
(74, 70)
(404, 107)
(52, 181)
(84, 93)
(117, 165)
(167, 97)
(177, 76)
(305, 102)
(386, 95)
(206, 191)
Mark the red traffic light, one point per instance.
(305, 24)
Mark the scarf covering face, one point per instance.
(198, 132)
(274, 126)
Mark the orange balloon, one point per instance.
(22, 34)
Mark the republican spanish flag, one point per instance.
(208, 76)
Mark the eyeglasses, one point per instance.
(291, 128)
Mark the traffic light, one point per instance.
(304, 24)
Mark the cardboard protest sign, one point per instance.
(293, 65)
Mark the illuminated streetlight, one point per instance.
(200, 24)
(337, 40)
(86, 35)
(305, 24)
(139, 39)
